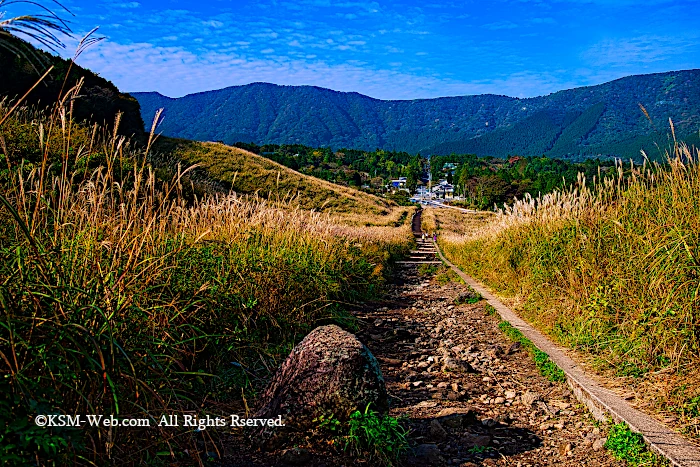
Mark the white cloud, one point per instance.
(213, 23)
(126, 5)
(500, 25)
(174, 71)
(641, 50)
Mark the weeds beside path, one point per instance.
(609, 272)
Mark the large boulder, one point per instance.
(329, 373)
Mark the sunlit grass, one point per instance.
(612, 270)
(138, 290)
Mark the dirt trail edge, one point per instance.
(601, 402)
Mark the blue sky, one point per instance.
(388, 50)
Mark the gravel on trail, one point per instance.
(472, 397)
(469, 396)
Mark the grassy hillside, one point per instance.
(125, 293)
(577, 123)
(248, 173)
(611, 271)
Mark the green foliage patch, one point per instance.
(626, 445)
(546, 367)
(375, 437)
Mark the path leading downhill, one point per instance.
(471, 396)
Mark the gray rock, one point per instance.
(329, 373)
(437, 432)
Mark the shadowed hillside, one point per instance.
(99, 100)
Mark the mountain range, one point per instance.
(618, 118)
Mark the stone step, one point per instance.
(419, 262)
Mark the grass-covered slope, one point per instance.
(248, 173)
(605, 119)
(124, 294)
(612, 271)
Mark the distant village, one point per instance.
(427, 189)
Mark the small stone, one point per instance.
(471, 440)
(599, 443)
(514, 347)
(437, 432)
(296, 456)
(529, 398)
(489, 422)
(565, 449)
(499, 400)
(417, 383)
(510, 395)
(450, 364)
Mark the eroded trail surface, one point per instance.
(472, 397)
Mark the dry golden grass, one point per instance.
(248, 173)
(611, 271)
(122, 296)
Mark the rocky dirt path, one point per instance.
(471, 396)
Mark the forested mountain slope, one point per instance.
(589, 121)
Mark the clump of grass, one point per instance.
(428, 269)
(547, 368)
(490, 310)
(375, 437)
(446, 275)
(126, 292)
(470, 297)
(626, 445)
